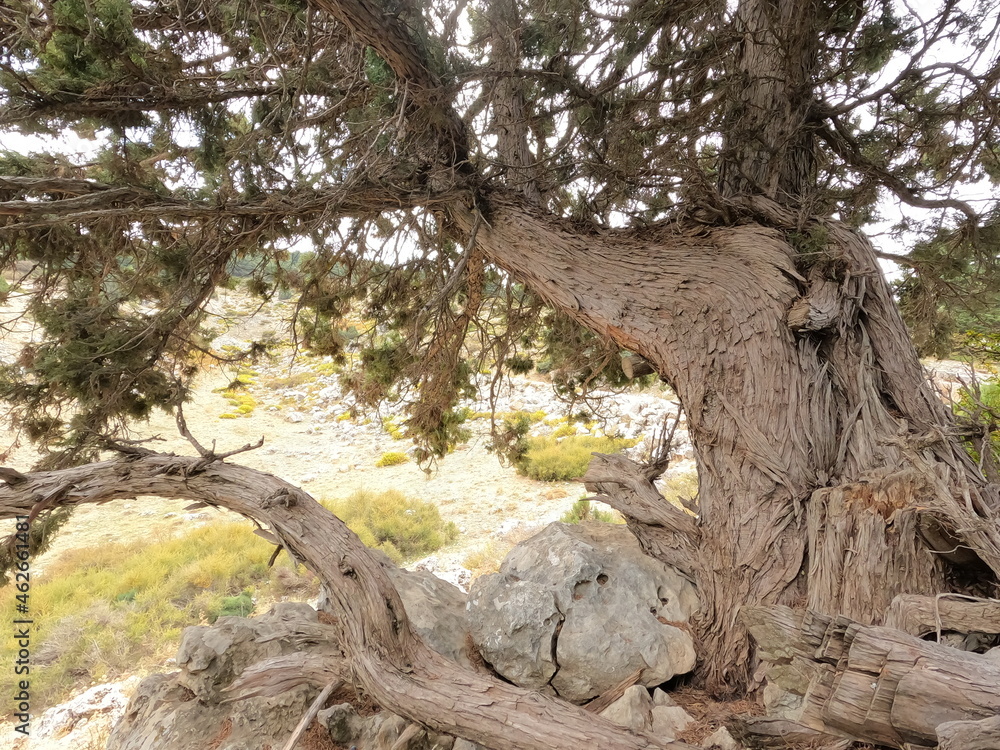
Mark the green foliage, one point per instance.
(550, 460)
(401, 527)
(584, 510)
(233, 606)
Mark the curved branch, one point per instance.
(664, 531)
(387, 658)
(844, 145)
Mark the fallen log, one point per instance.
(386, 658)
(870, 683)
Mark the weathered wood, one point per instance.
(663, 530)
(763, 733)
(635, 366)
(873, 684)
(970, 735)
(920, 615)
(386, 658)
(307, 719)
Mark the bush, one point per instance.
(392, 458)
(584, 510)
(551, 460)
(399, 526)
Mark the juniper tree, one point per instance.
(688, 181)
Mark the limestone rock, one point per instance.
(182, 711)
(581, 607)
(436, 610)
(514, 625)
(60, 721)
(669, 721)
(633, 710)
(721, 739)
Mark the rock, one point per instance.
(781, 703)
(461, 744)
(662, 698)
(182, 711)
(61, 720)
(342, 721)
(669, 721)
(436, 609)
(721, 739)
(294, 417)
(993, 654)
(514, 625)
(581, 607)
(633, 710)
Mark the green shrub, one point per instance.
(566, 430)
(584, 510)
(401, 527)
(392, 458)
(551, 460)
(233, 606)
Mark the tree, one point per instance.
(687, 181)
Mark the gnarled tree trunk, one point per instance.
(828, 473)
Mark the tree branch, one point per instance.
(387, 658)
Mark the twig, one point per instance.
(311, 714)
(186, 434)
(659, 461)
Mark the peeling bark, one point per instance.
(874, 684)
(827, 472)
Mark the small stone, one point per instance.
(669, 721)
(721, 739)
(632, 710)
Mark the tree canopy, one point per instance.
(172, 142)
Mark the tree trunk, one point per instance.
(827, 474)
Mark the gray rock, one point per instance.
(100, 699)
(993, 655)
(436, 610)
(662, 698)
(669, 721)
(781, 703)
(342, 721)
(721, 739)
(182, 711)
(514, 625)
(615, 605)
(633, 710)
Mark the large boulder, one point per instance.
(578, 608)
